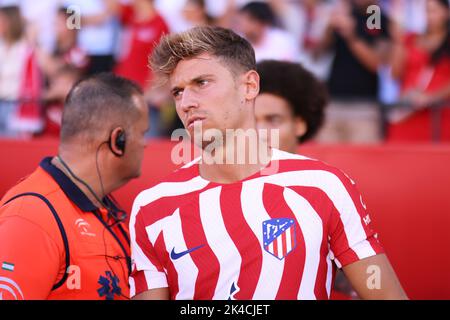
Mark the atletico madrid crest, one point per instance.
(279, 237)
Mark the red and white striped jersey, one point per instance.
(277, 236)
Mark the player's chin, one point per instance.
(201, 130)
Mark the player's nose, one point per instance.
(188, 100)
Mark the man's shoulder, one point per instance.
(297, 165)
(20, 200)
(298, 162)
(180, 182)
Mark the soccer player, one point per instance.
(268, 229)
(290, 100)
(61, 235)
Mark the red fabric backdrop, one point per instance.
(406, 189)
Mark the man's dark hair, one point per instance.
(306, 95)
(261, 12)
(99, 103)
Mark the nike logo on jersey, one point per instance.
(175, 256)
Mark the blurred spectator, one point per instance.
(40, 31)
(258, 23)
(20, 82)
(307, 21)
(422, 63)
(174, 12)
(60, 84)
(195, 13)
(409, 14)
(98, 33)
(388, 86)
(146, 27)
(66, 50)
(354, 114)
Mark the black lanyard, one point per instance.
(127, 257)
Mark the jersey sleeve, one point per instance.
(350, 233)
(147, 272)
(29, 258)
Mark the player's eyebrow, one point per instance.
(193, 80)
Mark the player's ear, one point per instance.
(251, 82)
(300, 127)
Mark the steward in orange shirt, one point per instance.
(61, 235)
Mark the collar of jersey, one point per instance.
(68, 187)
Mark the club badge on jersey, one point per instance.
(279, 237)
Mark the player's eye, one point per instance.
(202, 82)
(177, 93)
(274, 119)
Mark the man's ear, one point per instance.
(117, 141)
(251, 82)
(300, 127)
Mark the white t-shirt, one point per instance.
(171, 11)
(11, 69)
(33, 11)
(279, 45)
(95, 39)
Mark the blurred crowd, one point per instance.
(386, 67)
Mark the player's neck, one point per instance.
(235, 168)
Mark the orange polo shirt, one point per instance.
(91, 261)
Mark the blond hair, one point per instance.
(236, 52)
